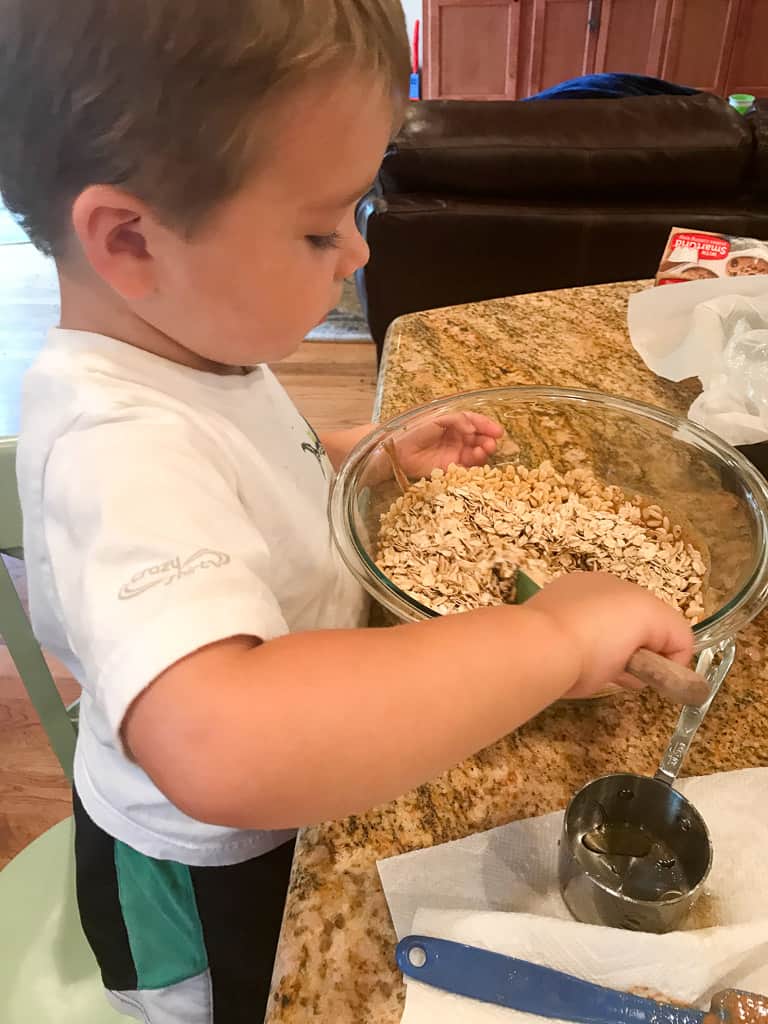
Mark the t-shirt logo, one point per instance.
(316, 448)
(171, 571)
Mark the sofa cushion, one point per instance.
(759, 121)
(428, 252)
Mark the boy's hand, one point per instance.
(606, 621)
(460, 438)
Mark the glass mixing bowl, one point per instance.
(696, 478)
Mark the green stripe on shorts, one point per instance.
(160, 913)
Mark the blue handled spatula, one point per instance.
(519, 985)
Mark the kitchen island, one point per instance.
(336, 957)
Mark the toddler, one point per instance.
(193, 167)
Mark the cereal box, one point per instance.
(692, 255)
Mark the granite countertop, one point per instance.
(336, 957)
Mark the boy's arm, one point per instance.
(321, 725)
(340, 443)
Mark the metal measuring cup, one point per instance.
(634, 853)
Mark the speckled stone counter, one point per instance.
(335, 961)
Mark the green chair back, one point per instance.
(47, 970)
(11, 533)
(60, 723)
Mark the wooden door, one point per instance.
(471, 49)
(563, 41)
(748, 69)
(700, 42)
(630, 36)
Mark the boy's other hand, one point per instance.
(606, 621)
(460, 438)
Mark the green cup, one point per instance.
(741, 101)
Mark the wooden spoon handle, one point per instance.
(732, 1005)
(675, 682)
(399, 473)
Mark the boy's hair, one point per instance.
(162, 97)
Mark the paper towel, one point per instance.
(716, 331)
(499, 890)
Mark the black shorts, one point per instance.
(177, 943)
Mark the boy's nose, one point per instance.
(354, 255)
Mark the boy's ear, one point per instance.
(115, 231)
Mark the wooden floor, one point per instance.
(333, 385)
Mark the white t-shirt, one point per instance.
(166, 509)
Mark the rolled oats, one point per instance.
(455, 540)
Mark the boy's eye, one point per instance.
(325, 241)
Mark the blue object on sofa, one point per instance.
(612, 85)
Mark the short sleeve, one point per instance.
(152, 554)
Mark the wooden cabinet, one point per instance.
(507, 49)
(563, 45)
(630, 35)
(699, 42)
(579, 37)
(471, 49)
(748, 67)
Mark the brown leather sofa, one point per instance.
(477, 200)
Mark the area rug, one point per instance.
(344, 323)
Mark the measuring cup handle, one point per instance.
(715, 671)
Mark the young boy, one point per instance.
(194, 168)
